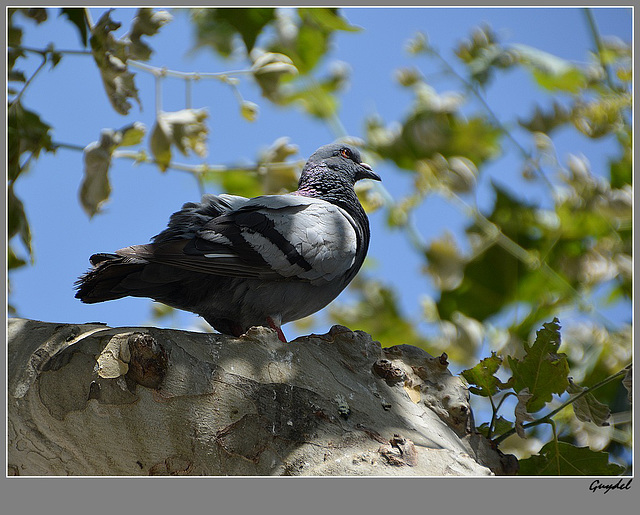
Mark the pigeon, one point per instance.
(240, 262)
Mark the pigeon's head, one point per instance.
(342, 159)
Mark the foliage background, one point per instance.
(505, 153)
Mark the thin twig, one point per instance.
(186, 75)
(46, 51)
(593, 29)
(199, 170)
(15, 101)
(68, 146)
(469, 86)
(548, 416)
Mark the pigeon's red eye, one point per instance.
(345, 153)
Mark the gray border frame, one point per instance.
(510, 495)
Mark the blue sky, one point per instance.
(71, 98)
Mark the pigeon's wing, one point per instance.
(269, 237)
(185, 224)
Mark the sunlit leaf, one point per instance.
(428, 132)
(249, 111)
(96, 188)
(482, 377)
(601, 116)
(269, 70)
(241, 182)
(317, 99)
(131, 135)
(418, 43)
(550, 71)
(185, 130)
(146, 23)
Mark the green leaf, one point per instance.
(275, 174)
(240, 182)
(571, 80)
(418, 43)
(546, 121)
(316, 99)
(219, 27)
(78, 17)
(501, 425)
(13, 261)
(432, 130)
(482, 376)
(328, 19)
(269, 70)
(95, 187)
(249, 111)
(587, 408)
(482, 53)
(210, 31)
(446, 263)
(311, 38)
(602, 115)
(111, 56)
(131, 134)
(563, 459)
(311, 45)
(376, 311)
(16, 76)
(26, 133)
(185, 130)
(39, 15)
(17, 222)
(550, 71)
(543, 371)
(146, 23)
(621, 169)
(484, 293)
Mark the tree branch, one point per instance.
(548, 416)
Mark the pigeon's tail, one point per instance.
(107, 279)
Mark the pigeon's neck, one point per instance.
(342, 195)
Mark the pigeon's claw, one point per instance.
(275, 326)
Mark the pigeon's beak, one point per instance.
(365, 172)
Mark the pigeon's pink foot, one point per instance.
(273, 325)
